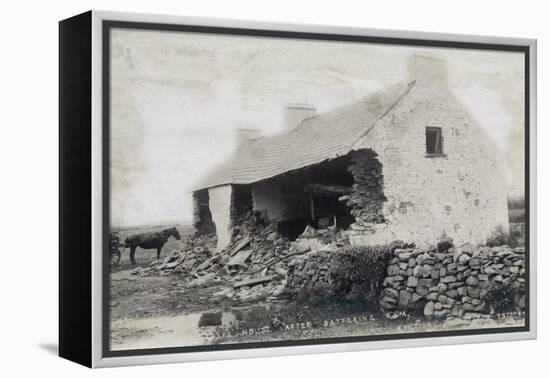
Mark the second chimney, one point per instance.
(295, 114)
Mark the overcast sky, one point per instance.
(176, 98)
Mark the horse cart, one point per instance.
(114, 249)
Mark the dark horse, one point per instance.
(150, 240)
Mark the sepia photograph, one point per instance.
(306, 189)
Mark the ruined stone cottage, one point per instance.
(406, 162)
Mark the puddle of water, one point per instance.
(163, 332)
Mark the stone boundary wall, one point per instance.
(452, 282)
(436, 282)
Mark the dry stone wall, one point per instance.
(452, 282)
(436, 282)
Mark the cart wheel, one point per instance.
(115, 258)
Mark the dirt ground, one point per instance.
(138, 297)
(143, 309)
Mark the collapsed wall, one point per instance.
(366, 200)
(202, 217)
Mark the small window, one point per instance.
(434, 141)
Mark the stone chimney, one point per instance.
(242, 136)
(296, 114)
(428, 71)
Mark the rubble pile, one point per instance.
(254, 265)
(332, 236)
(452, 281)
(192, 253)
(257, 249)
